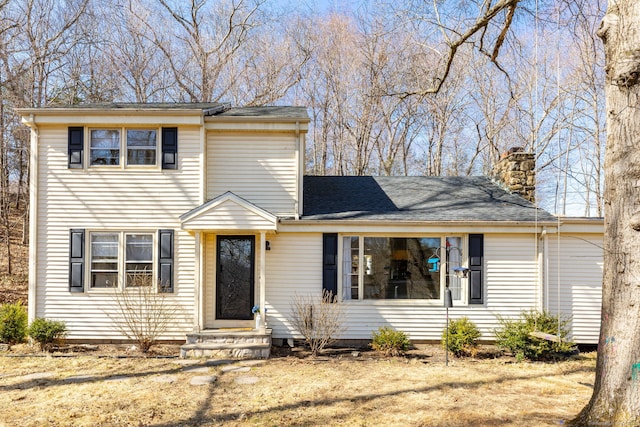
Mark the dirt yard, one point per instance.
(115, 387)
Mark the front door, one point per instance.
(234, 278)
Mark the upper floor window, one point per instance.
(123, 147)
(105, 147)
(141, 146)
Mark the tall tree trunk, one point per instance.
(616, 394)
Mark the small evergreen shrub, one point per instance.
(463, 337)
(390, 342)
(47, 332)
(13, 323)
(515, 336)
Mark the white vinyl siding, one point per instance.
(575, 283)
(260, 168)
(294, 265)
(109, 200)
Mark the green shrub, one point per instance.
(463, 337)
(390, 342)
(13, 323)
(47, 332)
(515, 336)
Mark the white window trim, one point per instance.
(123, 164)
(420, 302)
(122, 247)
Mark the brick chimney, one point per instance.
(516, 170)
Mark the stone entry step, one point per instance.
(228, 343)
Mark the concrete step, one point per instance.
(228, 343)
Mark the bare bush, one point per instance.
(319, 318)
(144, 312)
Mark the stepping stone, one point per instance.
(186, 362)
(196, 369)
(256, 362)
(246, 380)
(78, 378)
(165, 379)
(218, 362)
(203, 380)
(236, 369)
(117, 378)
(37, 376)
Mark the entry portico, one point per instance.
(231, 241)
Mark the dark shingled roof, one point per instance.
(422, 198)
(145, 105)
(284, 112)
(218, 109)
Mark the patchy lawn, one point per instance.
(343, 389)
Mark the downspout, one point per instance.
(203, 162)
(299, 175)
(544, 268)
(33, 220)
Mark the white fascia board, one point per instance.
(253, 125)
(117, 119)
(411, 228)
(582, 225)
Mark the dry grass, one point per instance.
(338, 390)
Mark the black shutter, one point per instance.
(165, 260)
(76, 147)
(76, 260)
(476, 262)
(329, 263)
(169, 148)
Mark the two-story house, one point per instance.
(211, 203)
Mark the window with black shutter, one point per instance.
(76, 148)
(165, 260)
(329, 263)
(76, 260)
(169, 148)
(476, 263)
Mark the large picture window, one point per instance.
(376, 268)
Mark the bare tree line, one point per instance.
(366, 77)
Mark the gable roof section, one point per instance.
(411, 199)
(228, 212)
